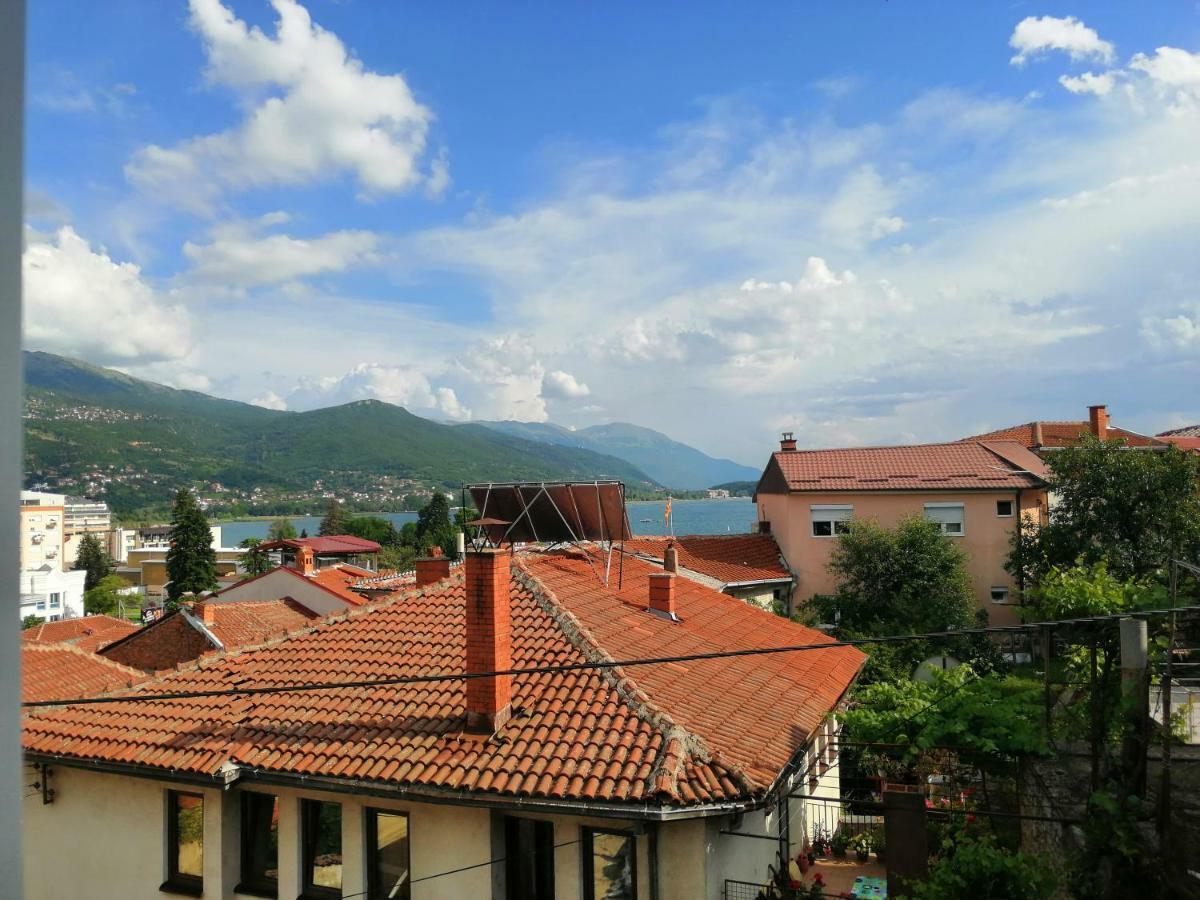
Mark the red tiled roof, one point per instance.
(729, 558)
(328, 544)
(87, 632)
(1183, 442)
(336, 580)
(1060, 434)
(1188, 431)
(664, 735)
(61, 671)
(243, 623)
(995, 465)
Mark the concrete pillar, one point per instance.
(1135, 689)
(907, 853)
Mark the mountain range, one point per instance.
(98, 431)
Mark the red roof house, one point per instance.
(1041, 436)
(747, 566)
(86, 632)
(62, 671)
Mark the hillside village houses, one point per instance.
(592, 783)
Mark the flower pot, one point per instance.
(879, 854)
(862, 855)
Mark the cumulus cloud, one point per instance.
(560, 385)
(1037, 35)
(1166, 333)
(270, 400)
(240, 254)
(79, 301)
(1089, 83)
(1171, 67)
(312, 112)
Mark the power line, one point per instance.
(598, 664)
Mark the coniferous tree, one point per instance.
(191, 561)
(254, 561)
(303, 532)
(94, 560)
(434, 528)
(334, 521)
(281, 530)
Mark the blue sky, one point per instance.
(867, 223)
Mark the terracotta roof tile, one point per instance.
(970, 465)
(1059, 434)
(86, 632)
(1189, 431)
(61, 671)
(722, 731)
(242, 623)
(729, 558)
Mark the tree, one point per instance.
(434, 528)
(335, 519)
(981, 870)
(303, 532)
(1131, 509)
(902, 579)
(30, 621)
(94, 559)
(191, 561)
(105, 598)
(373, 528)
(281, 530)
(254, 561)
(1090, 590)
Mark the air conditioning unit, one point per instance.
(52, 523)
(36, 538)
(51, 553)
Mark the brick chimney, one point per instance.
(662, 595)
(787, 442)
(489, 638)
(670, 558)
(206, 612)
(1098, 421)
(433, 567)
(306, 561)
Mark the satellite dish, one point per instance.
(941, 663)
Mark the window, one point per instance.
(321, 849)
(41, 606)
(828, 521)
(260, 845)
(529, 858)
(1004, 508)
(185, 843)
(609, 865)
(999, 595)
(54, 601)
(948, 516)
(387, 855)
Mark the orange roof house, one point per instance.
(86, 632)
(1041, 436)
(61, 671)
(598, 748)
(747, 566)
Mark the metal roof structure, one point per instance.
(551, 512)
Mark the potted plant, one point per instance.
(839, 844)
(862, 844)
(880, 844)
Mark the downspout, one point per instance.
(652, 853)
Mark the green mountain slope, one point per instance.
(665, 460)
(96, 431)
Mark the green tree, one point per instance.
(281, 530)
(30, 621)
(191, 561)
(434, 528)
(254, 561)
(335, 519)
(303, 532)
(373, 528)
(105, 597)
(1131, 509)
(981, 870)
(93, 559)
(1090, 590)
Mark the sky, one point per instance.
(867, 223)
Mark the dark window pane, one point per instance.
(529, 858)
(322, 848)
(260, 840)
(841, 527)
(611, 866)
(388, 849)
(822, 529)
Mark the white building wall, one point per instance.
(39, 590)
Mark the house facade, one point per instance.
(41, 536)
(574, 776)
(980, 493)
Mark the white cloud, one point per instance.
(401, 385)
(1171, 67)
(886, 225)
(270, 400)
(1089, 83)
(1036, 35)
(239, 254)
(560, 385)
(1181, 332)
(312, 112)
(81, 302)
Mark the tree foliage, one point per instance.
(94, 560)
(281, 530)
(191, 560)
(30, 621)
(1131, 509)
(335, 519)
(434, 528)
(254, 561)
(105, 597)
(373, 528)
(1090, 590)
(981, 870)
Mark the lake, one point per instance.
(734, 516)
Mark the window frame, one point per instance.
(992, 591)
(371, 832)
(1012, 509)
(542, 870)
(587, 836)
(181, 882)
(308, 890)
(834, 521)
(962, 522)
(249, 883)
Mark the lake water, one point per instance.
(734, 516)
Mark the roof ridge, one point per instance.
(678, 744)
(974, 439)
